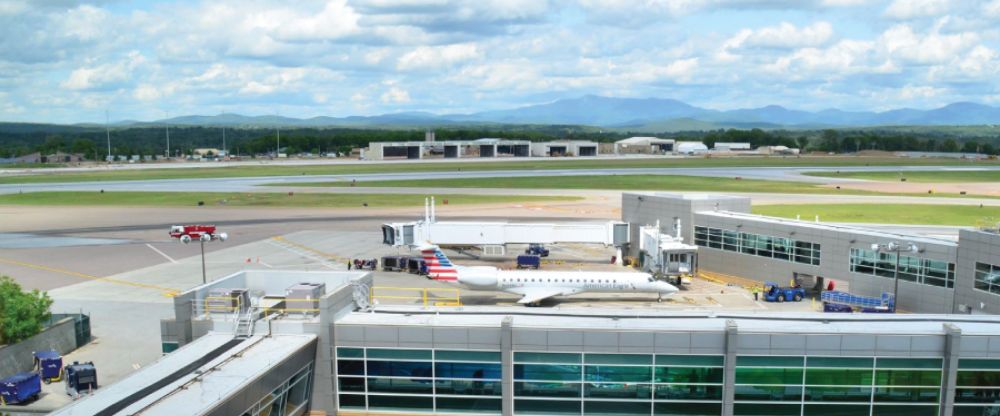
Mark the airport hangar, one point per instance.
(262, 352)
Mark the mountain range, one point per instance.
(636, 114)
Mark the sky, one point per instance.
(66, 61)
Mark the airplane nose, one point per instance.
(667, 288)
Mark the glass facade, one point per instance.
(290, 398)
(988, 278)
(912, 269)
(414, 380)
(797, 385)
(977, 390)
(559, 383)
(617, 384)
(758, 245)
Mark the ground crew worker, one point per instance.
(756, 293)
(348, 265)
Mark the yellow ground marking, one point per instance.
(168, 292)
(310, 249)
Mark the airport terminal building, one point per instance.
(262, 350)
(940, 276)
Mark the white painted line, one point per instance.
(265, 264)
(161, 253)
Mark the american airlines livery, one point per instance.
(536, 286)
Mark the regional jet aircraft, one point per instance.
(536, 286)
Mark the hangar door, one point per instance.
(587, 151)
(487, 150)
(413, 152)
(557, 150)
(522, 150)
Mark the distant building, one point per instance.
(731, 147)
(565, 148)
(57, 157)
(777, 150)
(644, 145)
(206, 152)
(690, 148)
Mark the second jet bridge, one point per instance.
(449, 233)
(486, 234)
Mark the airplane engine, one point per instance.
(185, 239)
(223, 236)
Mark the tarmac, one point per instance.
(126, 306)
(284, 183)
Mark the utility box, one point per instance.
(304, 298)
(227, 300)
(20, 388)
(80, 378)
(49, 365)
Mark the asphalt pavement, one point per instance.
(248, 184)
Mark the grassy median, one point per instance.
(923, 176)
(961, 215)
(241, 199)
(610, 182)
(100, 174)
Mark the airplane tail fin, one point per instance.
(438, 265)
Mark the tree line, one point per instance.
(92, 142)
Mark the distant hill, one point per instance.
(634, 114)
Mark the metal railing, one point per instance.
(232, 306)
(424, 296)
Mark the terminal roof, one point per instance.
(690, 321)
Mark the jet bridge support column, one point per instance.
(507, 366)
(952, 347)
(729, 373)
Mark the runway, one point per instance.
(249, 184)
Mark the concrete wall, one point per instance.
(645, 209)
(20, 357)
(835, 249)
(976, 246)
(835, 245)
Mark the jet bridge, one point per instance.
(493, 236)
(667, 256)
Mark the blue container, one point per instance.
(49, 365)
(528, 261)
(20, 388)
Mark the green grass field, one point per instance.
(964, 215)
(923, 176)
(613, 182)
(239, 199)
(568, 163)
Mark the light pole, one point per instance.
(894, 247)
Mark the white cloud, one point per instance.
(105, 75)
(428, 57)
(395, 95)
(784, 35)
(992, 9)
(902, 42)
(909, 9)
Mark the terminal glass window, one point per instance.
(837, 386)
(988, 278)
(561, 383)
(914, 269)
(977, 390)
(780, 248)
(419, 380)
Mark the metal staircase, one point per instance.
(244, 324)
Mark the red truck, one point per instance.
(188, 233)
